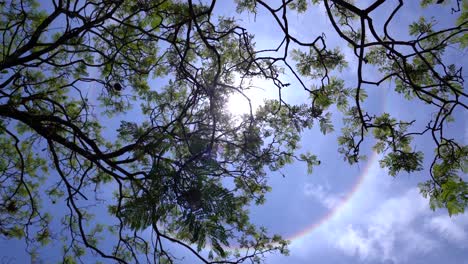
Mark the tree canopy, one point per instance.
(121, 105)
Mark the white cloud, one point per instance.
(389, 232)
(354, 242)
(453, 229)
(323, 195)
(380, 224)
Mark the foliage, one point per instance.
(73, 74)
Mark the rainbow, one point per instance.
(357, 185)
(331, 213)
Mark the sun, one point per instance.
(254, 95)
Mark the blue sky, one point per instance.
(370, 216)
(385, 219)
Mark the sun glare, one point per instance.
(258, 91)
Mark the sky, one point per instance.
(342, 213)
(359, 214)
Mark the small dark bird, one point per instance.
(117, 86)
(440, 1)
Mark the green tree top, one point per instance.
(130, 97)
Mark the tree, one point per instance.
(179, 169)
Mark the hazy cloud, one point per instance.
(452, 229)
(323, 195)
(389, 233)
